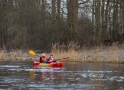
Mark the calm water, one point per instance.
(73, 76)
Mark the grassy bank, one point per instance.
(111, 54)
(16, 55)
(102, 54)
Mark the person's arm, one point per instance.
(48, 58)
(40, 59)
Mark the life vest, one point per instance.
(42, 59)
(50, 58)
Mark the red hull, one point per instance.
(52, 64)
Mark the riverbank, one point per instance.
(20, 55)
(112, 54)
(102, 54)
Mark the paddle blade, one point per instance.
(32, 52)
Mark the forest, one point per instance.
(38, 24)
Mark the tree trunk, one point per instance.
(103, 20)
(106, 18)
(122, 20)
(97, 19)
(2, 26)
(72, 13)
(54, 9)
(58, 7)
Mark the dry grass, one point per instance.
(100, 54)
(3, 55)
(13, 55)
(16, 55)
(62, 51)
(111, 54)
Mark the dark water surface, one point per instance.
(73, 76)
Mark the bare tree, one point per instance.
(54, 9)
(72, 14)
(58, 8)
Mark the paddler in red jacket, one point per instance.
(43, 58)
(51, 59)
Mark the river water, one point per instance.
(73, 76)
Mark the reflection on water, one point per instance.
(47, 74)
(73, 76)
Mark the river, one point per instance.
(17, 75)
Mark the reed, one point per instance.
(98, 54)
(13, 55)
(111, 54)
(70, 50)
(108, 55)
(3, 55)
(16, 55)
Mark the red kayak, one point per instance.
(52, 64)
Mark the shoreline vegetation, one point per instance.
(102, 54)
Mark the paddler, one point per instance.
(51, 59)
(43, 58)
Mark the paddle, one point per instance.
(33, 53)
(62, 58)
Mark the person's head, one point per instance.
(51, 55)
(43, 55)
